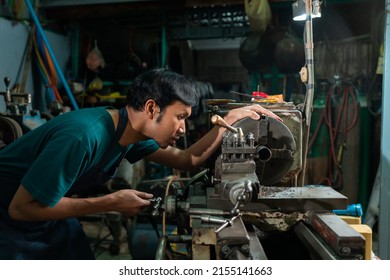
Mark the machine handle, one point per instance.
(218, 120)
(7, 82)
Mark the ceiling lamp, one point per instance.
(299, 9)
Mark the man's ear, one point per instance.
(151, 108)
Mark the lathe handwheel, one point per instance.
(10, 130)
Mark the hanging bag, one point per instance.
(95, 60)
(259, 14)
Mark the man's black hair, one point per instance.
(162, 85)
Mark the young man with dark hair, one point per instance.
(79, 150)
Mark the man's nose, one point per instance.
(182, 130)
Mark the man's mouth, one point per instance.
(174, 140)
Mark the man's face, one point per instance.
(169, 125)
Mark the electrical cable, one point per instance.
(41, 67)
(169, 184)
(333, 133)
(338, 129)
(58, 68)
(163, 224)
(44, 71)
(348, 91)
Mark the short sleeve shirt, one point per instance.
(50, 158)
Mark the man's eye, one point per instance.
(182, 117)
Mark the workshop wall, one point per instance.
(221, 67)
(12, 58)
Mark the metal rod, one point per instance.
(308, 40)
(201, 211)
(309, 61)
(161, 248)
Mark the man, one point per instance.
(76, 151)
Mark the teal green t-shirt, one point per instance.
(50, 158)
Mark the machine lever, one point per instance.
(235, 209)
(243, 197)
(7, 81)
(218, 120)
(227, 223)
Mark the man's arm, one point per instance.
(128, 202)
(200, 151)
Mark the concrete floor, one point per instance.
(107, 244)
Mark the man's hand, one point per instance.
(253, 111)
(130, 202)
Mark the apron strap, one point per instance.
(123, 119)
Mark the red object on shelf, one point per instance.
(259, 95)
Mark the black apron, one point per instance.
(65, 239)
(89, 182)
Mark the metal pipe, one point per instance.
(308, 40)
(212, 219)
(308, 33)
(200, 211)
(161, 247)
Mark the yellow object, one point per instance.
(95, 85)
(304, 76)
(366, 231)
(270, 99)
(276, 97)
(259, 14)
(113, 95)
(351, 220)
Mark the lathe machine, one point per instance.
(251, 203)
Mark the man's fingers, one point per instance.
(262, 111)
(254, 115)
(145, 198)
(270, 114)
(143, 195)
